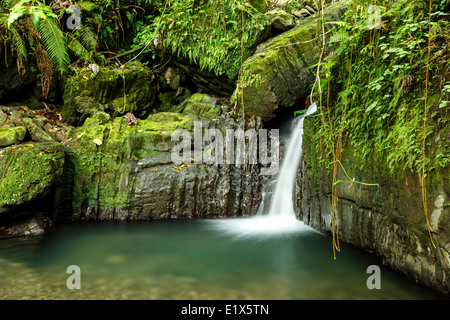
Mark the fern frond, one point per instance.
(19, 44)
(54, 43)
(341, 24)
(88, 38)
(78, 49)
(339, 36)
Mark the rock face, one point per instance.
(388, 221)
(13, 80)
(116, 92)
(117, 171)
(276, 75)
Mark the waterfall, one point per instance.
(280, 217)
(282, 201)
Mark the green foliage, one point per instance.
(207, 32)
(31, 23)
(378, 83)
(54, 43)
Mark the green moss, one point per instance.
(104, 173)
(260, 5)
(29, 171)
(115, 92)
(87, 5)
(11, 135)
(201, 105)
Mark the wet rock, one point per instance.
(131, 175)
(388, 220)
(32, 226)
(11, 135)
(28, 172)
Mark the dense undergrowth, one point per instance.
(374, 88)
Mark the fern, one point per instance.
(54, 43)
(19, 44)
(339, 36)
(78, 49)
(88, 38)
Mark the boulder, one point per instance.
(202, 105)
(277, 75)
(36, 131)
(28, 172)
(281, 20)
(117, 171)
(115, 91)
(11, 135)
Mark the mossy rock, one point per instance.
(103, 158)
(36, 131)
(281, 20)
(11, 135)
(28, 172)
(115, 92)
(260, 5)
(276, 75)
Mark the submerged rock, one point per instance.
(35, 225)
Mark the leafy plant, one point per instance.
(208, 33)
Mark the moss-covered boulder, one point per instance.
(277, 75)
(117, 171)
(202, 105)
(103, 159)
(36, 131)
(115, 91)
(260, 5)
(28, 172)
(11, 135)
(281, 20)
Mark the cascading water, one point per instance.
(280, 218)
(282, 201)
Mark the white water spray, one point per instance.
(280, 218)
(282, 202)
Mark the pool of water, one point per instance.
(193, 259)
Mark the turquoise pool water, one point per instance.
(192, 259)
